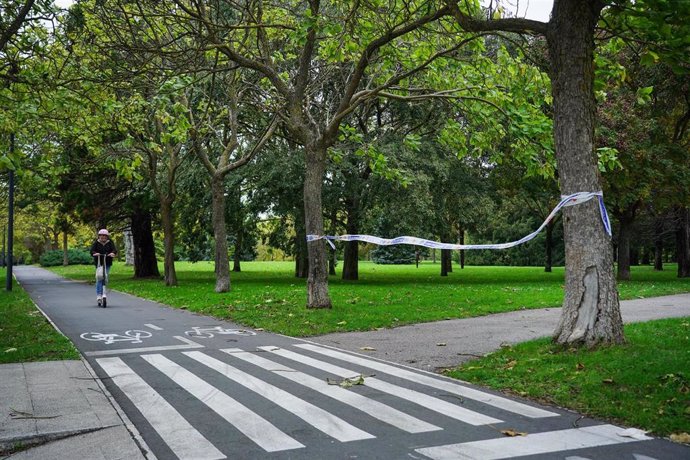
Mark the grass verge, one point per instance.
(25, 334)
(644, 383)
(267, 295)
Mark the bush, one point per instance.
(74, 257)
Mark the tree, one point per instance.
(591, 308)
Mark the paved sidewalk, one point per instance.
(443, 344)
(58, 410)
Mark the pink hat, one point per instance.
(103, 232)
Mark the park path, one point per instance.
(200, 388)
(443, 344)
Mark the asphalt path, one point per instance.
(200, 388)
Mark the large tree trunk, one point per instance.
(683, 243)
(145, 263)
(626, 220)
(591, 308)
(658, 244)
(222, 264)
(317, 281)
(167, 221)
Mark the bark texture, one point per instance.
(317, 279)
(222, 264)
(351, 252)
(591, 309)
(625, 220)
(167, 221)
(145, 263)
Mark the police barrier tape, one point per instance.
(569, 200)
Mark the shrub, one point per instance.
(74, 257)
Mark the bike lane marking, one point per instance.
(190, 345)
(153, 326)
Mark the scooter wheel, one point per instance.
(104, 303)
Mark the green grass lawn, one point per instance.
(25, 334)
(645, 383)
(267, 295)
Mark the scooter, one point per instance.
(102, 274)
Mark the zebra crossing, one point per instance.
(296, 403)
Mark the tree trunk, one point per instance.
(317, 281)
(301, 255)
(65, 256)
(167, 221)
(239, 241)
(351, 252)
(659, 244)
(548, 263)
(351, 261)
(222, 264)
(461, 252)
(683, 243)
(591, 308)
(129, 247)
(446, 259)
(145, 263)
(333, 254)
(624, 246)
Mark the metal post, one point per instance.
(10, 222)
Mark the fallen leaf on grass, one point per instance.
(367, 349)
(608, 381)
(10, 350)
(580, 366)
(680, 437)
(511, 432)
(510, 364)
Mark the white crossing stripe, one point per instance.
(451, 387)
(532, 444)
(315, 416)
(153, 326)
(255, 427)
(429, 402)
(367, 405)
(185, 441)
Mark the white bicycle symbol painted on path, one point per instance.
(208, 332)
(133, 336)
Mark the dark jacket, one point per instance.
(103, 248)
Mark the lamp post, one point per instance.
(10, 221)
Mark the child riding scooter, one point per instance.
(103, 251)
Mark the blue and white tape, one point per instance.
(569, 200)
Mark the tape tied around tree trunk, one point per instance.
(566, 200)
